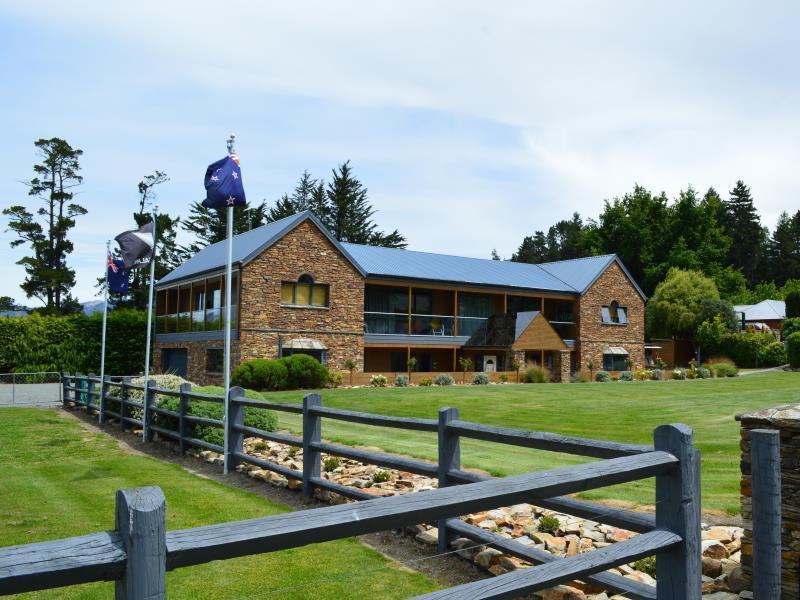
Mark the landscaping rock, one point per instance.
(430, 537)
(487, 557)
(714, 549)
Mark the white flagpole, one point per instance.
(149, 326)
(227, 357)
(103, 341)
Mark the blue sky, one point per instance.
(471, 123)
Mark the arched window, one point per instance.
(614, 313)
(304, 292)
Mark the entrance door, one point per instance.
(174, 360)
(489, 363)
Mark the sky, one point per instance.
(472, 124)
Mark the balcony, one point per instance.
(382, 323)
(211, 319)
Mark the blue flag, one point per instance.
(224, 184)
(117, 276)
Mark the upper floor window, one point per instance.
(614, 313)
(304, 292)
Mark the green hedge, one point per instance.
(745, 349)
(793, 350)
(72, 343)
(298, 371)
(789, 327)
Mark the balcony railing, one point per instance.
(211, 319)
(415, 324)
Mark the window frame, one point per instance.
(306, 280)
(208, 362)
(614, 313)
(610, 366)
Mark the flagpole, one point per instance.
(103, 340)
(227, 357)
(146, 409)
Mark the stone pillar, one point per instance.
(561, 364)
(785, 419)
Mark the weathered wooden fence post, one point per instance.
(183, 408)
(765, 461)
(65, 378)
(235, 434)
(678, 571)
(148, 415)
(77, 383)
(141, 520)
(312, 433)
(101, 417)
(89, 392)
(449, 460)
(123, 395)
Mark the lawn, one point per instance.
(619, 411)
(59, 480)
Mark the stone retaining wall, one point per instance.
(785, 419)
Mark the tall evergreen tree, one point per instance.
(783, 251)
(210, 225)
(48, 278)
(533, 249)
(302, 198)
(748, 239)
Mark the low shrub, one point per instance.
(703, 373)
(548, 524)
(261, 446)
(536, 374)
(381, 476)
(744, 348)
(773, 355)
(261, 374)
(331, 463)
(425, 382)
(657, 375)
(793, 350)
(643, 375)
(401, 381)
(580, 377)
(443, 379)
(378, 380)
(502, 378)
(335, 379)
(626, 376)
(679, 374)
(480, 379)
(602, 376)
(789, 327)
(305, 372)
(722, 367)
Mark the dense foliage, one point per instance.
(722, 238)
(298, 371)
(72, 343)
(745, 349)
(790, 326)
(793, 350)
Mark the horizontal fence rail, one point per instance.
(673, 533)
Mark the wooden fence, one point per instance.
(139, 568)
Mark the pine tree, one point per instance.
(533, 249)
(209, 225)
(783, 250)
(48, 278)
(748, 239)
(302, 198)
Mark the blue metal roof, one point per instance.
(409, 264)
(569, 276)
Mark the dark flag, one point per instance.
(137, 246)
(223, 183)
(117, 276)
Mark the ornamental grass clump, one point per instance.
(657, 375)
(548, 524)
(378, 380)
(401, 381)
(536, 374)
(679, 374)
(602, 376)
(480, 379)
(444, 379)
(626, 376)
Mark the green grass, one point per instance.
(619, 411)
(59, 480)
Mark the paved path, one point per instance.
(30, 394)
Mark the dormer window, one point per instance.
(304, 292)
(614, 314)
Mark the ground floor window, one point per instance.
(215, 358)
(174, 360)
(398, 361)
(615, 362)
(320, 355)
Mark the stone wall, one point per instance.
(594, 335)
(339, 326)
(196, 359)
(785, 419)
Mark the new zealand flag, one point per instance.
(223, 183)
(117, 276)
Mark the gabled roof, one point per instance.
(246, 246)
(568, 276)
(766, 310)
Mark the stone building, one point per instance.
(296, 289)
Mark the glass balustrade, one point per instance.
(432, 325)
(467, 326)
(385, 323)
